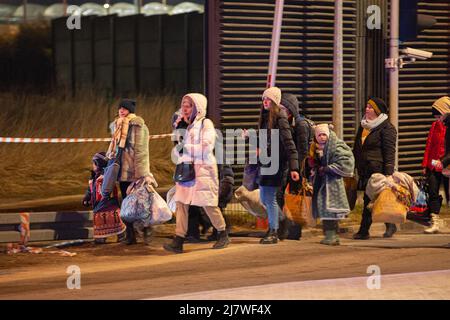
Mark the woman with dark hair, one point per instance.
(274, 120)
(374, 151)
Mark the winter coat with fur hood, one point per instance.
(199, 141)
(135, 156)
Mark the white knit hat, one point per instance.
(274, 94)
(321, 129)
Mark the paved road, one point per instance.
(410, 286)
(117, 271)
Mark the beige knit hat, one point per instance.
(274, 94)
(323, 128)
(442, 105)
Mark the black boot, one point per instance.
(283, 231)
(222, 240)
(147, 233)
(360, 235)
(270, 238)
(131, 235)
(176, 245)
(366, 222)
(212, 236)
(390, 230)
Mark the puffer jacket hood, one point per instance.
(290, 101)
(200, 103)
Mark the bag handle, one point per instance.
(199, 133)
(301, 192)
(134, 185)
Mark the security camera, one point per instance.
(416, 54)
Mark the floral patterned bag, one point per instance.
(137, 206)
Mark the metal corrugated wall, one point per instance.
(422, 83)
(305, 65)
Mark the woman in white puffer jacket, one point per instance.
(203, 191)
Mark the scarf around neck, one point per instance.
(372, 124)
(120, 134)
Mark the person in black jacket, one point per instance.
(272, 118)
(226, 185)
(303, 134)
(374, 151)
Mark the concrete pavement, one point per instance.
(403, 286)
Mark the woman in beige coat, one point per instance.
(203, 191)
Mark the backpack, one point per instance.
(311, 125)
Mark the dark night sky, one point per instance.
(78, 2)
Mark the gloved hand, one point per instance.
(323, 171)
(151, 180)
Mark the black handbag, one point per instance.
(185, 171)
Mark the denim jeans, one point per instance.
(269, 200)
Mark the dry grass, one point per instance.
(34, 171)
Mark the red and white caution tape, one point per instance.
(160, 136)
(69, 140)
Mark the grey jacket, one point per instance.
(135, 156)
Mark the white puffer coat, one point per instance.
(204, 189)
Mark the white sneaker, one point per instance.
(435, 222)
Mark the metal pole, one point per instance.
(338, 78)
(275, 46)
(394, 72)
(138, 4)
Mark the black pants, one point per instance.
(295, 230)
(330, 225)
(123, 188)
(194, 219)
(366, 221)
(197, 219)
(434, 183)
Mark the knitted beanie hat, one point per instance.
(100, 159)
(128, 104)
(378, 105)
(442, 105)
(321, 129)
(274, 94)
